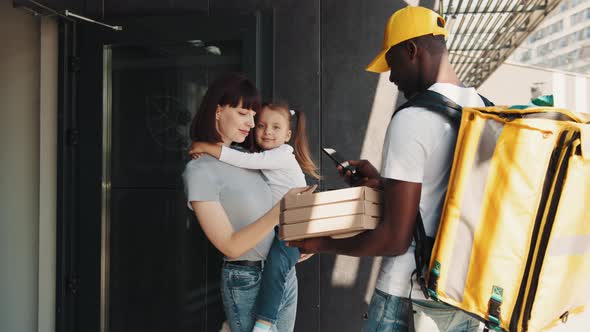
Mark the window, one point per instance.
(546, 31)
(580, 16)
(526, 56)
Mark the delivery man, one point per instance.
(417, 158)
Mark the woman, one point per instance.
(233, 205)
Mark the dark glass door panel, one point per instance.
(163, 273)
(156, 90)
(140, 260)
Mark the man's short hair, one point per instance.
(433, 44)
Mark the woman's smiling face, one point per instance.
(234, 123)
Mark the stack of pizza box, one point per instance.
(336, 213)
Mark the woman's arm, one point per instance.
(220, 232)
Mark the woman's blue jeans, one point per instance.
(240, 286)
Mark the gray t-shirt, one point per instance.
(243, 194)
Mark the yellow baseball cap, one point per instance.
(407, 23)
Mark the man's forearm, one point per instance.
(369, 243)
(355, 246)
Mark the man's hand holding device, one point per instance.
(355, 172)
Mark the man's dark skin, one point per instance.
(415, 65)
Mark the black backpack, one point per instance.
(435, 102)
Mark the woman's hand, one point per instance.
(304, 257)
(275, 211)
(199, 148)
(308, 246)
(301, 191)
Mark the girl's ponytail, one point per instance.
(301, 146)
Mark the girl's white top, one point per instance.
(279, 167)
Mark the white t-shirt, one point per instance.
(279, 167)
(418, 147)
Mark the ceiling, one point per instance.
(483, 33)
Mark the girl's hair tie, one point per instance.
(292, 112)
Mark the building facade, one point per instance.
(562, 40)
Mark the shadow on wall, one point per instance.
(347, 283)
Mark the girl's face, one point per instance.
(272, 129)
(234, 123)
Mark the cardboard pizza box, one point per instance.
(305, 214)
(336, 227)
(332, 196)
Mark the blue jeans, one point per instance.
(388, 313)
(240, 286)
(279, 262)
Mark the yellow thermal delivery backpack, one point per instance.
(513, 244)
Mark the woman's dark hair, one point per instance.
(229, 89)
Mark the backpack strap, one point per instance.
(422, 253)
(435, 102)
(486, 101)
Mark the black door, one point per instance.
(137, 258)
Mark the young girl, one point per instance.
(282, 167)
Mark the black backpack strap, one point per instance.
(486, 101)
(422, 253)
(436, 102)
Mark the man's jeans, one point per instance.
(239, 289)
(391, 313)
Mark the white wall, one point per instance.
(27, 179)
(48, 174)
(511, 84)
(19, 185)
